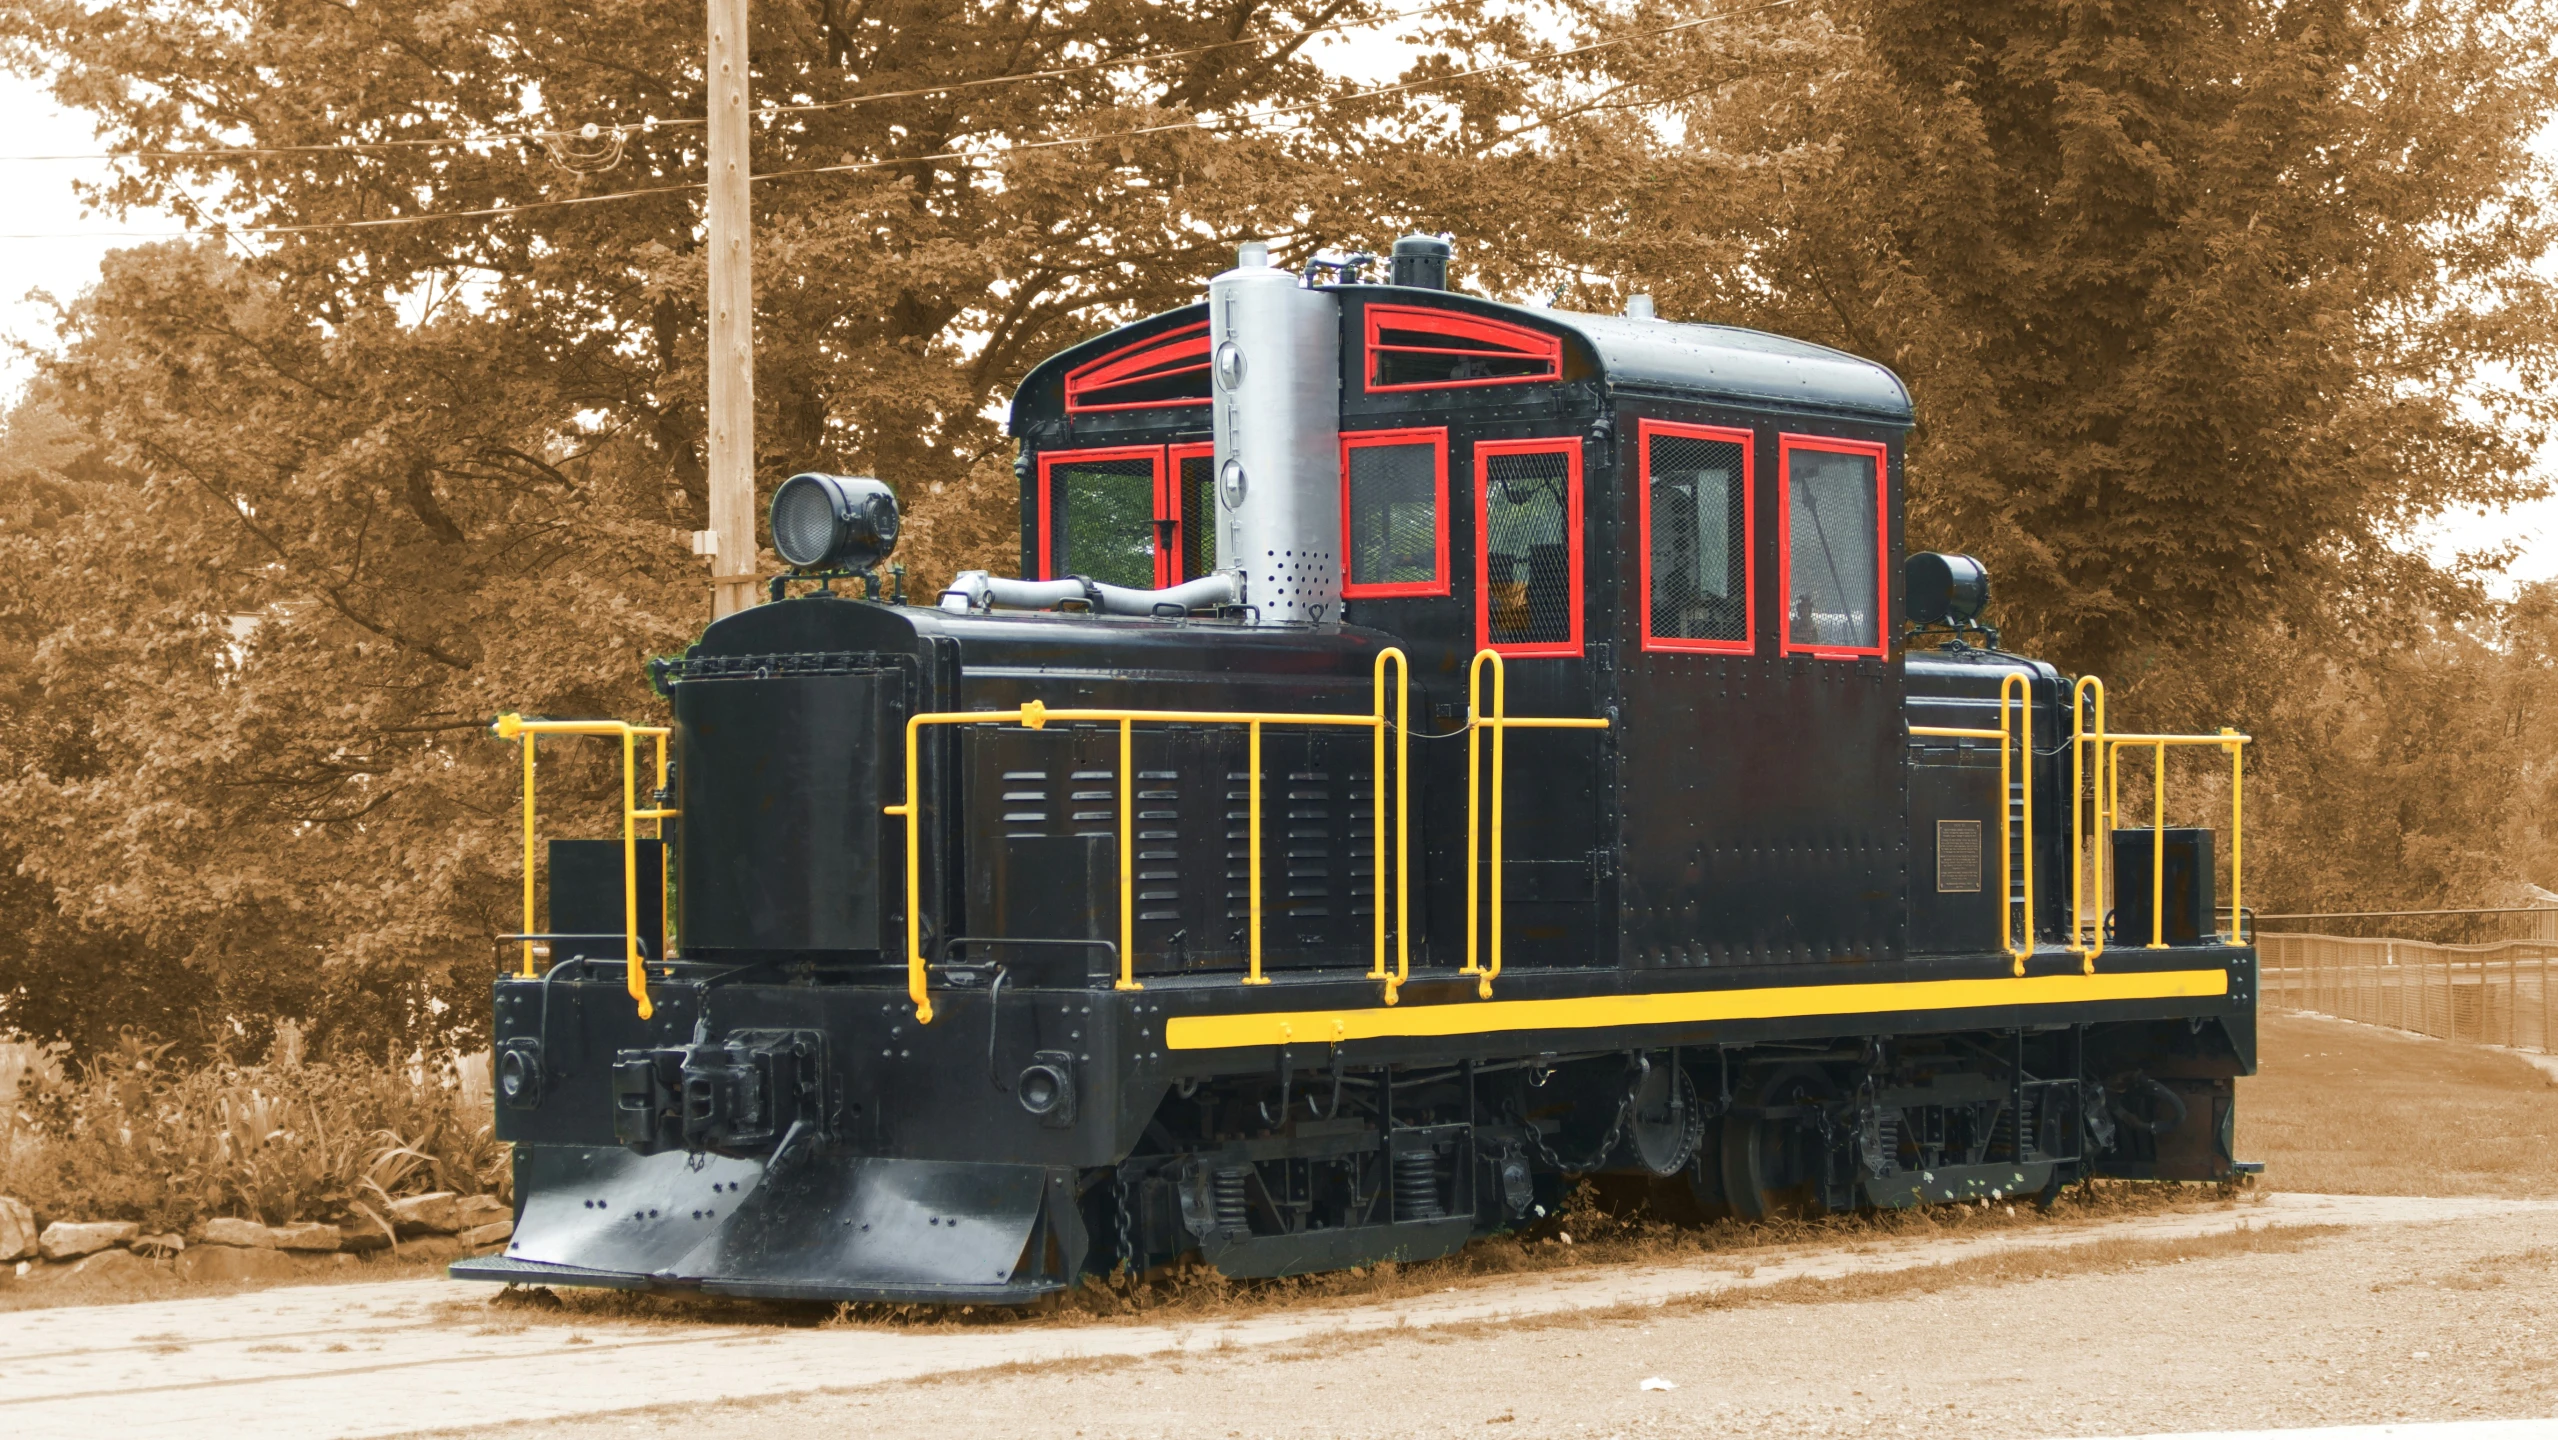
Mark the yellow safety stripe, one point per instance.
(1687, 1007)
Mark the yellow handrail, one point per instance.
(1501, 722)
(516, 727)
(1034, 715)
(2087, 863)
(2011, 739)
(1402, 822)
(2095, 810)
(2229, 740)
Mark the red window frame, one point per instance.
(1129, 362)
(1049, 460)
(1786, 445)
(1525, 343)
(1748, 644)
(1168, 498)
(1437, 438)
(1484, 450)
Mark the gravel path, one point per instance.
(1560, 1352)
(2420, 1321)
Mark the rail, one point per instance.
(1500, 722)
(516, 727)
(2095, 811)
(1034, 715)
(2504, 993)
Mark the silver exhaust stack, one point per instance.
(1277, 365)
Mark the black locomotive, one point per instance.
(1435, 750)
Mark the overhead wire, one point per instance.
(1202, 124)
(764, 111)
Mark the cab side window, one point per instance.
(1696, 556)
(1528, 546)
(1394, 512)
(1097, 514)
(1831, 548)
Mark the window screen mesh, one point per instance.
(1101, 521)
(1527, 549)
(1699, 540)
(1394, 514)
(1832, 551)
(1197, 486)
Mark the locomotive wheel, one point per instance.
(1744, 1159)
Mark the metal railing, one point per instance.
(2095, 811)
(1034, 715)
(516, 727)
(2498, 994)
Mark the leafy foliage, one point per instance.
(2203, 303)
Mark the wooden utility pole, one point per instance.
(732, 317)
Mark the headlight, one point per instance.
(1944, 589)
(834, 522)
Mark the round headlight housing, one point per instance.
(834, 522)
(1944, 589)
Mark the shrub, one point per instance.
(128, 1136)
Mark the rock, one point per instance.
(433, 1249)
(210, 1264)
(363, 1239)
(242, 1234)
(17, 1230)
(69, 1240)
(424, 1214)
(159, 1247)
(310, 1235)
(480, 1237)
(473, 1211)
(112, 1265)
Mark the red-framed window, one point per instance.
(1411, 347)
(1097, 514)
(1527, 552)
(1699, 538)
(1190, 478)
(1832, 536)
(1394, 513)
(1166, 369)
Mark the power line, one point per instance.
(1064, 142)
(627, 128)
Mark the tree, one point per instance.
(389, 479)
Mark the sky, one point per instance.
(41, 203)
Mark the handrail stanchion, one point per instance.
(2237, 840)
(2087, 860)
(1127, 862)
(1402, 825)
(1474, 800)
(2018, 947)
(529, 925)
(2158, 850)
(1253, 837)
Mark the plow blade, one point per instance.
(815, 1225)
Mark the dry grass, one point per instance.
(2357, 1110)
(128, 1135)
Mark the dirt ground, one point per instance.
(2346, 1109)
(2431, 1322)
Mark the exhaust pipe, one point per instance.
(978, 592)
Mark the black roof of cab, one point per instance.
(1716, 362)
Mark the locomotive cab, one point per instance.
(1433, 750)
